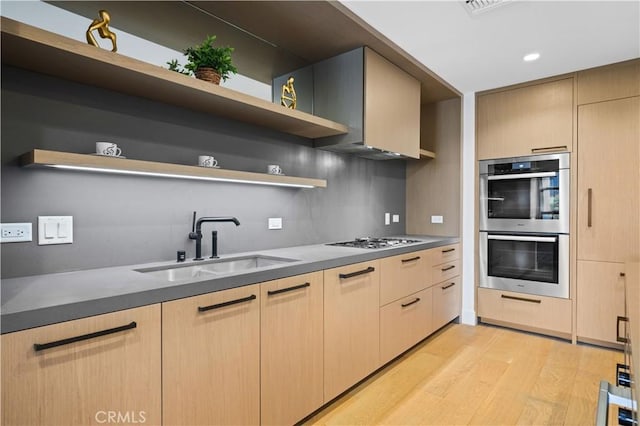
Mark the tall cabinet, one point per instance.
(608, 218)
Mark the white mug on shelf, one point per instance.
(274, 169)
(108, 148)
(207, 161)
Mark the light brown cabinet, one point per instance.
(537, 313)
(404, 275)
(211, 358)
(447, 302)
(609, 180)
(404, 323)
(600, 300)
(91, 378)
(291, 348)
(621, 80)
(351, 325)
(526, 120)
(377, 100)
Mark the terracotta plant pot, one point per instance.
(208, 74)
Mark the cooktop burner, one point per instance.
(374, 243)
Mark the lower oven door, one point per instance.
(525, 263)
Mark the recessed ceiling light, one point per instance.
(531, 57)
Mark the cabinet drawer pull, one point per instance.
(410, 259)
(223, 304)
(522, 299)
(448, 250)
(42, 346)
(355, 274)
(404, 305)
(448, 268)
(550, 148)
(589, 203)
(284, 290)
(618, 337)
(448, 286)
(622, 274)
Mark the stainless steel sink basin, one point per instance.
(213, 267)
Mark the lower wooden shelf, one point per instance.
(429, 155)
(105, 164)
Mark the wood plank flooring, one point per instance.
(481, 375)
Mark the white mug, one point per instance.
(108, 148)
(207, 161)
(274, 169)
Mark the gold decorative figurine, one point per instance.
(288, 94)
(102, 25)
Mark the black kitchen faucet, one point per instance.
(196, 234)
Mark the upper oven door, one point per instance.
(525, 194)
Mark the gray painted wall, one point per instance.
(121, 220)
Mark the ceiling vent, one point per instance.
(476, 7)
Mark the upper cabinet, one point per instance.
(377, 100)
(534, 119)
(615, 81)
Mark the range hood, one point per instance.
(358, 149)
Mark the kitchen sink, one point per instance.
(214, 267)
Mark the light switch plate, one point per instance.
(387, 218)
(437, 219)
(275, 223)
(395, 218)
(55, 230)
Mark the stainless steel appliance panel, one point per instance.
(525, 194)
(525, 263)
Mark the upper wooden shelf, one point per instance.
(38, 50)
(106, 164)
(429, 155)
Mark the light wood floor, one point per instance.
(481, 375)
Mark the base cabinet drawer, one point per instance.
(539, 312)
(447, 300)
(85, 371)
(445, 271)
(403, 274)
(404, 323)
(444, 254)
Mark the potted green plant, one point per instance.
(207, 62)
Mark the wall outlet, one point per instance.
(396, 218)
(387, 218)
(437, 219)
(275, 223)
(16, 232)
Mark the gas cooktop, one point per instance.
(374, 243)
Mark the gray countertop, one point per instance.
(39, 300)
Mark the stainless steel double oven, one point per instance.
(524, 224)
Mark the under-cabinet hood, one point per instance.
(359, 149)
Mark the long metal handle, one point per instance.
(521, 176)
(410, 259)
(522, 238)
(448, 286)
(448, 268)
(284, 290)
(589, 204)
(404, 305)
(521, 299)
(223, 304)
(42, 346)
(355, 274)
(619, 338)
(550, 148)
(448, 250)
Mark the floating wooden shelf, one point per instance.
(41, 51)
(429, 155)
(98, 163)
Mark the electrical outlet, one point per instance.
(395, 218)
(387, 218)
(275, 223)
(16, 232)
(437, 219)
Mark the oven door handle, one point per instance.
(522, 238)
(521, 176)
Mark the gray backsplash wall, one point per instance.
(120, 220)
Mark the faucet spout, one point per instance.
(196, 234)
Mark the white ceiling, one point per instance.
(485, 51)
